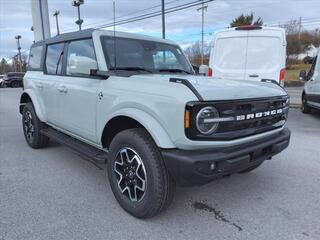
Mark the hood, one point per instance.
(224, 89)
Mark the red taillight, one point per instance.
(210, 72)
(282, 74)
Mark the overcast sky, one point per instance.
(183, 26)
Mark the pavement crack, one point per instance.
(217, 213)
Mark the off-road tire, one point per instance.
(159, 187)
(37, 140)
(304, 106)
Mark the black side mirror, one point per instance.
(303, 75)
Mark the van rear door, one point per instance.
(228, 55)
(265, 55)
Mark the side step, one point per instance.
(76, 145)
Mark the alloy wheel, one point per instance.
(28, 126)
(131, 174)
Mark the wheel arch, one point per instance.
(135, 118)
(29, 96)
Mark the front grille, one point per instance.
(244, 110)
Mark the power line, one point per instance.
(126, 15)
(155, 14)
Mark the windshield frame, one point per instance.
(148, 71)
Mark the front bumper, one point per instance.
(192, 167)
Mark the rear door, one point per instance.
(265, 55)
(228, 54)
(48, 83)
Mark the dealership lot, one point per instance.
(53, 193)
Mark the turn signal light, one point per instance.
(210, 72)
(187, 119)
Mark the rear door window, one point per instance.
(54, 58)
(264, 53)
(35, 58)
(230, 53)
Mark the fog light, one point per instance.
(212, 166)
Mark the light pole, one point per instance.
(202, 8)
(56, 14)
(163, 20)
(18, 37)
(77, 3)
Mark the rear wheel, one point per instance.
(137, 174)
(32, 127)
(304, 107)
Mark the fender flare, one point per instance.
(35, 102)
(157, 132)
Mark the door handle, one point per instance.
(62, 89)
(254, 75)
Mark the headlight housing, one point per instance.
(205, 120)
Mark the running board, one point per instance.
(76, 145)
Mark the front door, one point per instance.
(78, 90)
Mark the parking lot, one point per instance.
(54, 193)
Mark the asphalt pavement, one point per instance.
(53, 193)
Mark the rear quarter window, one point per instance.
(35, 58)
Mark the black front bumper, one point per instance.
(190, 167)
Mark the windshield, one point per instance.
(144, 56)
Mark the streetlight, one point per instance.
(56, 14)
(18, 37)
(77, 3)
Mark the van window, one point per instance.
(35, 58)
(83, 50)
(263, 53)
(54, 58)
(231, 56)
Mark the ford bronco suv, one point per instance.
(135, 102)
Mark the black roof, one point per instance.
(87, 33)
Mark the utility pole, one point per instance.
(300, 22)
(56, 14)
(77, 3)
(163, 19)
(202, 8)
(18, 37)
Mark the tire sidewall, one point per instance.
(36, 135)
(138, 208)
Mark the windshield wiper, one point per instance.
(131, 69)
(174, 70)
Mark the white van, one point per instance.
(249, 53)
(311, 90)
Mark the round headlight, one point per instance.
(205, 120)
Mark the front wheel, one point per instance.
(137, 174)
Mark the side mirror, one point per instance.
(303, 75)
(80, 65)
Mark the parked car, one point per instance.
(14, 79)
(311, 90)
(135, 101)
(250, 53)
